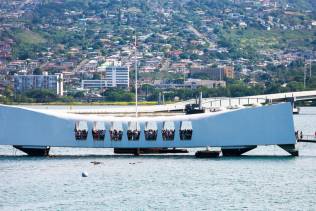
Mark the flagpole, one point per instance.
(136, 77)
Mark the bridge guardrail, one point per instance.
(233, 102)
(308, 137)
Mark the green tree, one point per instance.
(41, 95)
(118, 95)
(37, 71)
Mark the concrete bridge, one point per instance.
(207, 103)
(259, 99)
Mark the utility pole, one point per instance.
(159, 98)
(310, 66)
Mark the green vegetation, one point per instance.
(47, 97)
(28, 43)
(118, 95)
(262, 39)
(53, 23)
(251, 42)
(29, 37)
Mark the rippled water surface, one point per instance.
(266, 179)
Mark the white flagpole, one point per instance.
(136, 78)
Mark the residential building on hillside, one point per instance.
(27, 82)
(215, 73)
(229, 72)
(109, 62)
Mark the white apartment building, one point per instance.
(27, 82)
(111, 77)
(117, 76)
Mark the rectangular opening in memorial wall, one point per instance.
(98, 131)
(186, 130)
(116, 132)
(168, 131)
(81, 130)
(133, 131)
(151, 131)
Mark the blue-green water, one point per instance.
(266, 180)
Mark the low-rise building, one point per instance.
(190, 83)
(195, 83)
(94, 84)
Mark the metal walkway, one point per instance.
(307, 139)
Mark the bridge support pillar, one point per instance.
(34, 150)
(290, 148)
(236, 151)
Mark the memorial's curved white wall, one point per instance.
(265, 125)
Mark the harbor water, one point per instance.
(266, 179)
